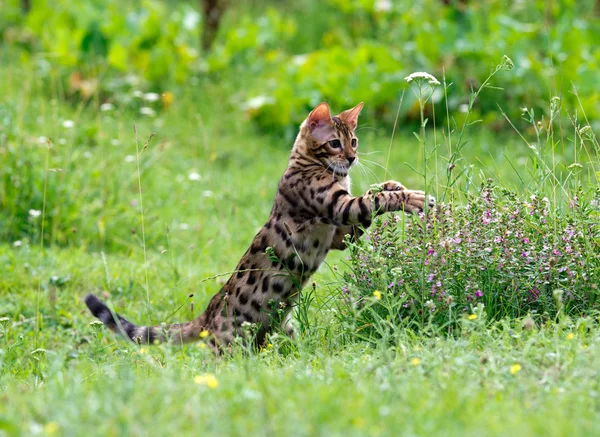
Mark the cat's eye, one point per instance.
(336, 144)
(354, 143)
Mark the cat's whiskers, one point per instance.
(369, 153)
(367, 171)
(377, 164)
(366, 127)
(362, 170)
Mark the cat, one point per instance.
(313, 213)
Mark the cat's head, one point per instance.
(331, 140)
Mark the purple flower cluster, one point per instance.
(505, 252)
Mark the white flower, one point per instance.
(463, 108)
(130, 158)
(18, 243)
(194, 176)
(383, 5)
(137, 93)
(191, 19)
(151, 97)
(184, 226)
(207, 193)
(258, 102)
(68, 124)
(35, 213)
(107, 107)
(42, 140)
(299, 59)
(147, 111)
(422, 76)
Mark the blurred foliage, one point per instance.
(291, 55)
(152, 38)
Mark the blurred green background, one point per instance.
(274, 60)
(223, 83)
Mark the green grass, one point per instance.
(88, 380)
(72, 378)
(457, 387)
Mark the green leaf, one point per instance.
(117, 56)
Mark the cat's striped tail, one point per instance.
(141, 334)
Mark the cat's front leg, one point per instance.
(410, 201)
(340, 208)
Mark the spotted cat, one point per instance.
(312, 214)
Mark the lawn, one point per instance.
(152, 208)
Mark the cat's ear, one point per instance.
(319, 122)
(350, 116)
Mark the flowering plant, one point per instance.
(502, 254)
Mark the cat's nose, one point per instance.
(351, 159)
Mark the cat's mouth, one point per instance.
(340, 168)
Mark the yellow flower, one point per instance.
(377, 294)
(204, 334)
(167, 99)
(269, 346)
(570, 336)
(202, 345)
(208, 380)
(515, 368)
(51, 428)
(472, 317)
(143, 350)
(211, 381)
(415, 361)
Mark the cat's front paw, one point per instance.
(431, 202)
(386, 186)
(415, 202)
(392, 186)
